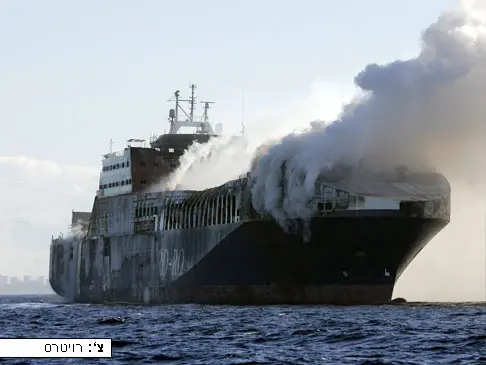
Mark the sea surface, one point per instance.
(412, 333)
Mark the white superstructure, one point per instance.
(116, 174)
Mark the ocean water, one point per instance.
(412, 333)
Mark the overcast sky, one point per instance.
(75, 74)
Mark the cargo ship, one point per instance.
(146, 245)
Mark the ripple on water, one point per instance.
(412, 333)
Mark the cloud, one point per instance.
(37, 199)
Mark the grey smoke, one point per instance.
(425, 111)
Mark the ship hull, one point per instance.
(352, 257)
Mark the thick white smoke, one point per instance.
(77, 230)
(202, 164)
(428, 110)
(424, 111)
(225, 158)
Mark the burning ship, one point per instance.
(143, 246)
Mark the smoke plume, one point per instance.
(424, 111)
(224, 158)
(202, 165)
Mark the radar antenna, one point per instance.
(202, 126)
(205, 116)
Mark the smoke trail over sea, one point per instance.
(425, 111)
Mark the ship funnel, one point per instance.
(219, 128)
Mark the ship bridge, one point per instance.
(140, 164)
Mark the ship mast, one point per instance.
(202, 126)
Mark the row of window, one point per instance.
(120, 183)
(116, 166)
(127, 164)
(115, 184)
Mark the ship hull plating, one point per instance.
(351, 258)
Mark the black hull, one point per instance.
(354, 258)
(349, 260)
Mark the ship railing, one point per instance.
(114, 154)
(330, 197)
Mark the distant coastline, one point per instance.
(27, 285)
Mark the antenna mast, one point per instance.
(192, 101)
(206, 108)
(202, 126)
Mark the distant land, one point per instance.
(12, 285)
